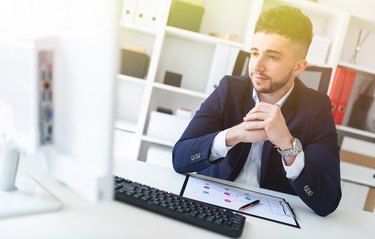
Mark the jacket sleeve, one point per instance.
(318, 185)
(193, 149)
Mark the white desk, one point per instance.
(78, 219)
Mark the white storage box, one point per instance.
(166, 127)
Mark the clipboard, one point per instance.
(270, 208)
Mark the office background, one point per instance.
(210, 40)
(155, 103)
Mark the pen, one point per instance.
(253, 203)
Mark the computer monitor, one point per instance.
(79, 39)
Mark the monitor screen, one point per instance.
(57, 89)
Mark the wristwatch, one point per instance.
(297, 148)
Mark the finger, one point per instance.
(263, 107)
(255, 136)
(259, 116)
(255, 125)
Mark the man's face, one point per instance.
(273, 63)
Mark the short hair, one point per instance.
(286, 21)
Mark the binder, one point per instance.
(140, 16)
(128, 11)
(337, 85)
(148, 13)
(344, 96)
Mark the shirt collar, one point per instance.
(279, 102)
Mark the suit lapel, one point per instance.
(248, 102)
(289, 108)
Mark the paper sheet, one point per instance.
(271, 208)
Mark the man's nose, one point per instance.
(259, 63)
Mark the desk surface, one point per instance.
(78, 219)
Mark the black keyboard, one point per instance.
(217, 219)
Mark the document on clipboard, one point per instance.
(269, 207)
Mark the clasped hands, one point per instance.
(263, 122)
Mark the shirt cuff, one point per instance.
(294, 170)
(219, 149)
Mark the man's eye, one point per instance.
(254, 54)
(272, 57)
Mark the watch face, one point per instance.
(298, 145)
(297, 148)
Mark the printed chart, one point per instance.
(219, 194)
(270, 207)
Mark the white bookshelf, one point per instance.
(199, 37)
(178, 90)
(356, 131)
(157, 141)
(137, 28)
(192, 54)
(130, 79)
(364, 66)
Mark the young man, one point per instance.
(267, 129)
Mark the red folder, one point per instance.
(336, 89)
(345, 96)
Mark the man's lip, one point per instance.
(260, 77)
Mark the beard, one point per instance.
(273, 86)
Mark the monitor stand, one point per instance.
(29, 197)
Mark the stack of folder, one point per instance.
(340, 92)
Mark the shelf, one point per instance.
(180, 90)
(157, 141)
(131, 79)
(126, 125)
(327, 65)
(361, 69)
(355, 131)
(195, 36)
(140, 29)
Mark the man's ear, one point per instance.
(300, 67)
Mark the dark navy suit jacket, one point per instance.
(309, 118)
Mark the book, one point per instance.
(344, 96)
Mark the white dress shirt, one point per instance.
(250, 173)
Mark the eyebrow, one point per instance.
(267, 51)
